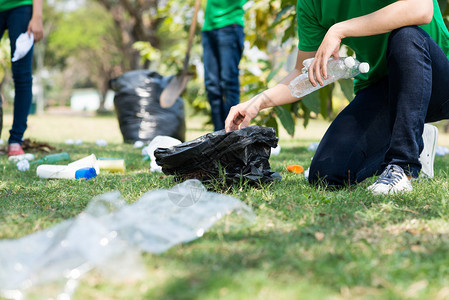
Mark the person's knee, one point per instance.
(402, 40)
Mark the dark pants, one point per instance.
(384, 123)
(16, 21)
(222, 51)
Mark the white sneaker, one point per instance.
(392, 180)
(427, 156)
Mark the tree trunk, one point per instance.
(135, 22)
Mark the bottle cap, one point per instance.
(364, 67)
(86, 173)
(349, 62)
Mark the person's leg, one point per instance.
(354, 146)
(212, 77)
(418, 80)
(230, 39)
(17, 23)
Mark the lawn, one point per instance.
(306, 242)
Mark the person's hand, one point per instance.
(241, 114)
(329, 47)
(36, 27)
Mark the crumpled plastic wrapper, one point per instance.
(160, 141)
(313, 146)
(240, 155)
(101, 142)
(441, 151)
(110, 235)
(23, 45)
(138, 144)
(23, 165)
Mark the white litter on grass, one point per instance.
(441, 151)
(109, 236)
(101, 143)
(276, 151)
(23, 165)
(69, 141)
(306, 173)
(138, 144)
(1, 142)
(23, 45)
(79, 142)
(160, 141)
(313, 146)
(17, 158)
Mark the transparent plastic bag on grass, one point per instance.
(108, 231)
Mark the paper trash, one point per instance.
(23, 45)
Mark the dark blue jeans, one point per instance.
(222, 51)
(384, 123)
(16, 21)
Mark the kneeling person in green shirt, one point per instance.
(382, 130)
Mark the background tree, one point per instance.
(87, 48)
(135, 20)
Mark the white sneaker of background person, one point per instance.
(392, 180)
(23, 45)
(427, 156)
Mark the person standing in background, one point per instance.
(20, 16)
(222, 41)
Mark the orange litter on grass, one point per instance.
(295, 168)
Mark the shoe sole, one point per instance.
(429, 149)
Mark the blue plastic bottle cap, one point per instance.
(86, 173)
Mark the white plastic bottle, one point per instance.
(86, 168)
(344, 67)
(64, 172)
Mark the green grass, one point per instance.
(306, 243)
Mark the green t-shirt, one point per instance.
(8, 4)
(315, 17)
(221, 13)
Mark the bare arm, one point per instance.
(35, 26)
(398, 14)
(241, 114)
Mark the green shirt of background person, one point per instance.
(8, 4)
(221, 13)
(316, 17)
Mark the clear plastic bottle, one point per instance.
(343, 67)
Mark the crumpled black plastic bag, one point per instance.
(140, 115)
(236, 155)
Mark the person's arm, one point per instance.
(240, 115)
(35, 26)
(398, 14)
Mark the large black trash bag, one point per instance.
(140, 115)
(237, 154)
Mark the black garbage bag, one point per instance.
(140, 115)
(241, 154)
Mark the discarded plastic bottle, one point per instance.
(65, 172)
(86, 167)
(344, 67)
(52, 158)
(111, 164)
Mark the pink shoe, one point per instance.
(15, 149)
